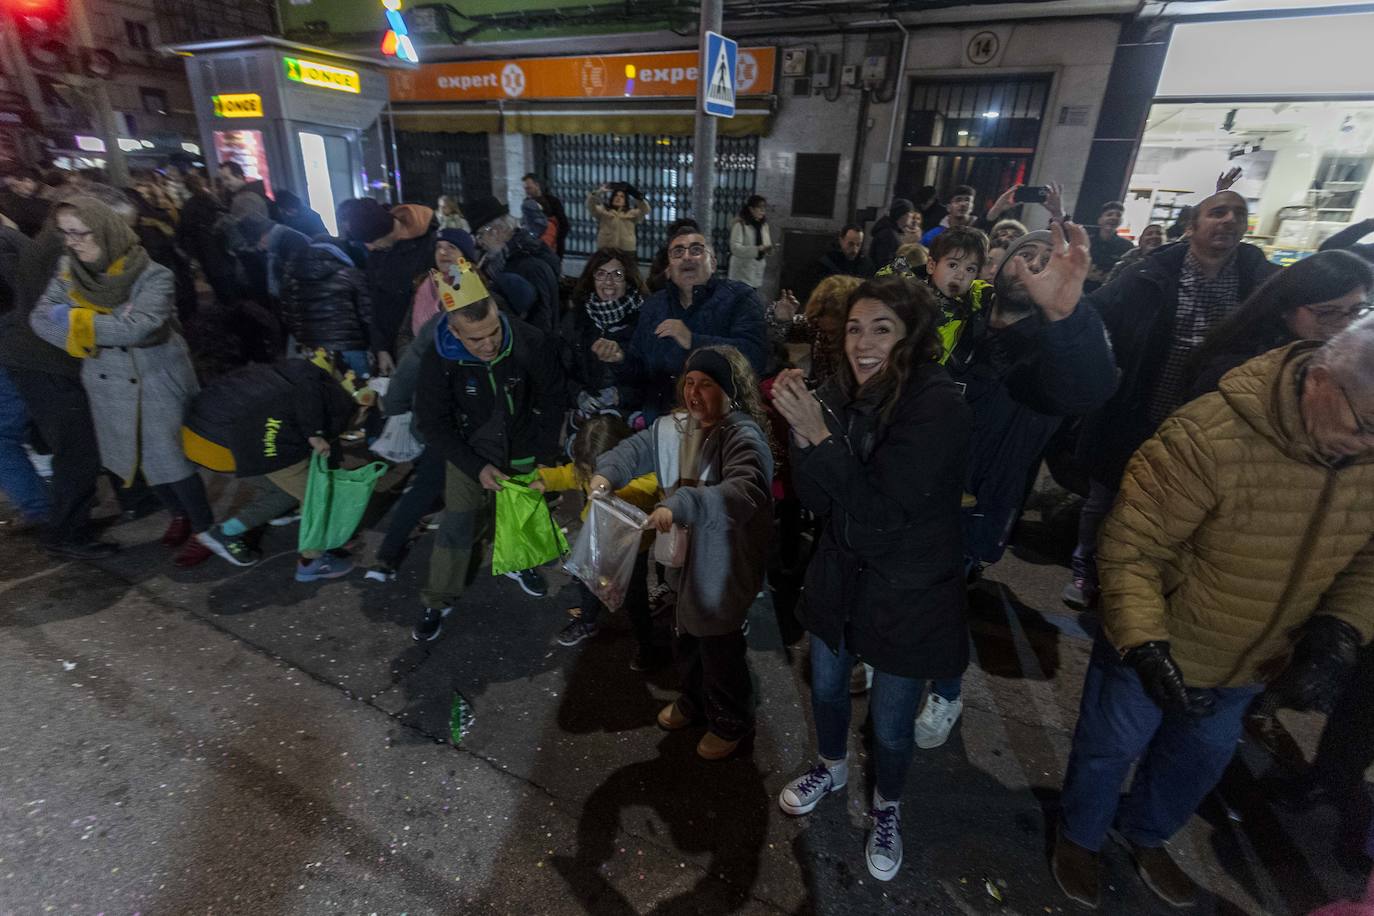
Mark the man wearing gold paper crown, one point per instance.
(489, 399)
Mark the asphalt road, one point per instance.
(219, 740)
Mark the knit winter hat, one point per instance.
(715, 366)
(1041, 236)
(364, 219)
(461, 240)
(253, 227)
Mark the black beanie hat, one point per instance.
(713, 364)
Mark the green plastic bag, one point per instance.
(526, 535)
(334, 503)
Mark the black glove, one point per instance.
(1163, 681)
(1323, 656)
(633, 191)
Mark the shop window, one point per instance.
(660, 167)
(979, 132)
(433, 164)
(154, 100)
(138, 36)
(813, 189)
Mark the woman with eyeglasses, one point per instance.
(606, 304)
(1315, 299)
(112, 307)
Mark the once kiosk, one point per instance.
(293, 116)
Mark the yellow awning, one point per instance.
(590, 121)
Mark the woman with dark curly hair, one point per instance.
(713, 462)
(605, 306)
(880, 451)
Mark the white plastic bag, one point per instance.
(604, 555)
(397, 443)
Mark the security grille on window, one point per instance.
(660, 167)
(976, 132)
(432, 164)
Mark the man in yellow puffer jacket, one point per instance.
(1240, 551)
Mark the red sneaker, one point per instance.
(193, 554)
(178, 532)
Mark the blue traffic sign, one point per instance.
(718, 69)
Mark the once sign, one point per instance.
(237, 105)
(324, 76)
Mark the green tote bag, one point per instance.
(334, 503)
(526, 535)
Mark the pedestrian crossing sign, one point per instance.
(718, 69)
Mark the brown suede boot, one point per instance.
(1162, 875)
(1076, 870)
(671, 718)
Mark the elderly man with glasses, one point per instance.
(1239, 553)
(697, 309)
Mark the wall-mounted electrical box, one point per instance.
(825, 71)
(794, 62)
(849, 75)
(875, 70)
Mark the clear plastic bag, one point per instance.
(397, 443)
(604, 555)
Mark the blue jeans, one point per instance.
(892, 707)
(18, 479)
(1183, 758)
(357, 361)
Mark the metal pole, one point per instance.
(99, 96)
(704, 139)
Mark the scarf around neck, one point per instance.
(105, 284)
(607, 316)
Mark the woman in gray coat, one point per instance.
(713, 460)
(113, 308)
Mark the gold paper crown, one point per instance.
(470, 288)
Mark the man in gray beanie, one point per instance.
(1024, 368)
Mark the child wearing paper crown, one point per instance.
(596, 437)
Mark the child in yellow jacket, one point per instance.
(597, 435)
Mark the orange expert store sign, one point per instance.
(654, 74)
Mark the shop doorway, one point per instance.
(1305, 167)
(978, 132)
(432, 164)
(660, 167)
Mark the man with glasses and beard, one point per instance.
(696, 309)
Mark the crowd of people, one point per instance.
(1222, 412)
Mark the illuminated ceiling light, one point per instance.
(992, 114)
(963, 133)
(192, 148)
(90, 144)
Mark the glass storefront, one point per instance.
(1306, 167)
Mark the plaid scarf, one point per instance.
(610, 316)
(1202, 303)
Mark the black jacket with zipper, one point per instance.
(325, 301)
(887, 577)
(478, 413)
(1138, 310)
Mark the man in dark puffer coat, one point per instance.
(325, 303)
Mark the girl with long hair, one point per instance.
(1314, 299)
(880, 452)
(605, 306)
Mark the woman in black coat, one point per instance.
(605, 306)
(880, 452)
